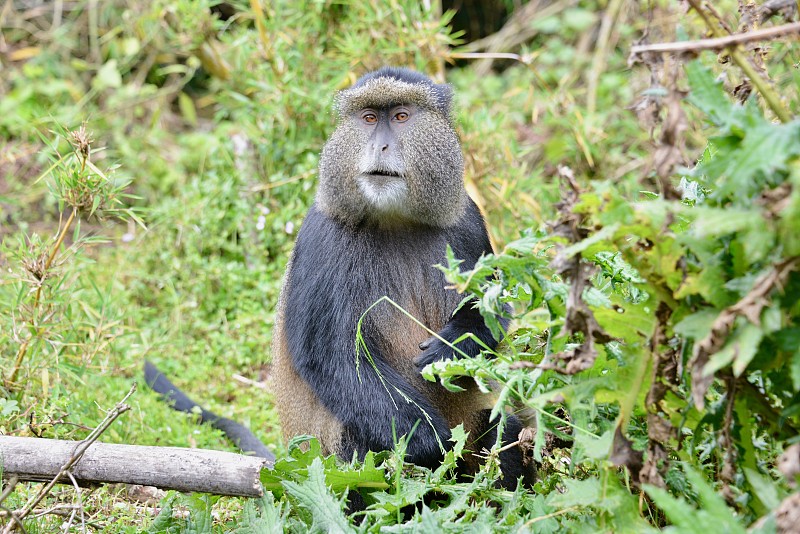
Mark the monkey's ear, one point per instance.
(444, 98)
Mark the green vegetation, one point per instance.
(647, 222)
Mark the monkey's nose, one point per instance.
(384, 148)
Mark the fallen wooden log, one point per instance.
(200, 470)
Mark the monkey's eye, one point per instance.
(369, 117)
(400, 116)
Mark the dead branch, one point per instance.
(770, 8)
(718, 43)
(182, 469)
(77, 453)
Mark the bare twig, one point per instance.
(79, 505)
(517, 30)
(15, 521)
(769, 9)
(740, 58)
(526, 58)
(111, 416)
(718, 43)
(601, 52)
(249, 381)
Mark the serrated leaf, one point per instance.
(164, 521)
(744, 169)
(712, 502)
(678, 511)
(707, 93)
(366, 477)
(314, 496)
(262, 516)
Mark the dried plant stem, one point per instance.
(601, 52)
(718, 43)
(111, 416)
(738, 56)
(526, 59)
(23, 349)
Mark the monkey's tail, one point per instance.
(239, 434)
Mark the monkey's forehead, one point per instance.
(386, 92)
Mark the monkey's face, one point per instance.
(394, 158)
(382, 170)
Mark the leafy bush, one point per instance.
(650, 266)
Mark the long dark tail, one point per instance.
(239, 434)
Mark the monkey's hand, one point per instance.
(466, 331)
(435, 350)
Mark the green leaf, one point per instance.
(678, 511)
(713, 516)
(697, 325)
(579, 19)
(712, 502)
(200, 520)
(588, 492)
(262, 516)
(794, 369)
(707, 92)
(739, 349)
(366, 477)
(715, 222)
(164, 521)
(745, 168)
(627, 321)
(747, 340)
(595, 448)
(107, 76)
(765, 489)
(314, 496)
(606, 233)
(188, 110)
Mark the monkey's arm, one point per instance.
(373, 402)
(469, 240)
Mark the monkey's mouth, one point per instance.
(381, 178)
(382, 174)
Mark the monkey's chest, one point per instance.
(408, 311)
